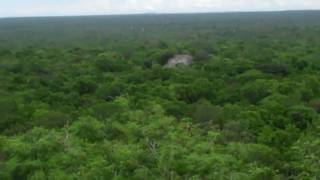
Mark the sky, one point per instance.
(19, 8)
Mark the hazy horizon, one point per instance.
(38, 8)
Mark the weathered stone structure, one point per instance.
(177, 60)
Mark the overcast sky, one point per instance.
(13, 8)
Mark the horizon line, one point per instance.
(160, 13)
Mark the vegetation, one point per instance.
(88, 97)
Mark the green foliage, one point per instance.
(86, 86)
(108, 92)
(50, 119)
(302, 116)
(8, 111)
(110, 62)
(96, 102)
(88, 128)
(205, 112)
(256, 90)
(276, 69)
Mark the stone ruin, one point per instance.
(179, 60)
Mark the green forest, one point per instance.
(90, 98)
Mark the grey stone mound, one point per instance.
(178, 60)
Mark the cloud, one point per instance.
(85, 7)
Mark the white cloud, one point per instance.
(78, 7)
